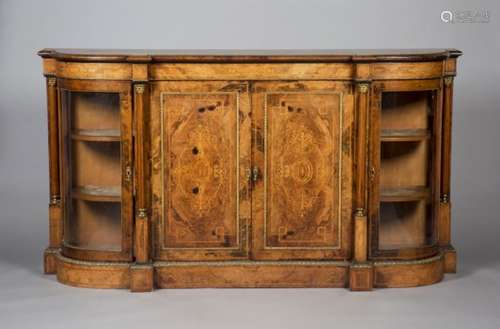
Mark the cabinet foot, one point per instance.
(50, 260)
(450, 259)
(361, 276)
(141, 277)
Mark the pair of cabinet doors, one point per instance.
(251, 170)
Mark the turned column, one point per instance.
(55, 210)
(360, 218)
(444, 227)
(142, 269)
(142, 227)
(361, 271)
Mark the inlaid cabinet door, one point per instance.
(201, 138)
(302, 197)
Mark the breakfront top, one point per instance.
(249, 168)
(248, 56)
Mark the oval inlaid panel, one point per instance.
(303, 170)
(200, 170)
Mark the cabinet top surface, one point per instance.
(250, 56)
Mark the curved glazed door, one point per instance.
(201, 161)
(96, 131)
(405, 125)
(302, 198)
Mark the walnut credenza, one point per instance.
(174, 169)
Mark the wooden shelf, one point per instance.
(97, 135)
(402, 194)
(404, 135)
(97, 193)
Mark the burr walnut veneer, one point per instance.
(176, 169)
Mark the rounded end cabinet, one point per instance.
(174, 169)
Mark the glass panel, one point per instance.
(92, 141)
(94, 225)
(406, 218)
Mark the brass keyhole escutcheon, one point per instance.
(128, 174)
(371, 173)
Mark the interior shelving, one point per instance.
(96, 135)
(404, 224)
(404, 135)
(94, 225)
(405, 165)
(97, 193)
(94, 179)
(401, 194)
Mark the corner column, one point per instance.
(361, 270)
(55, 208)
(141, 272)
(444, 227)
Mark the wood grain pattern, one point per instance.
(49, 66)
(53, 131)
(404, 110)
(96, 135)
(97, 86)
(408, 166)
(360, 238)
(92, 71)
(81, 167)
(402, 194)
(50, 260)
(250, 71)
(303, 156)
(404, 164)
(361, 277)
(250, 55)
(55, 225)
(284, 274)
(409, 85)
(362, 107)
(143, 227)
(436, 155)
(141, 278)
(55, 210)
(92, 275)
(404, 135)
(252, 276)
(450, 67)
(446, 140)
(201, 163)
(314, 168)
(392, 71)
(302, 201)
(450, 259)
(408, 274)
(140, 72)
(444, 225)
(402, 225)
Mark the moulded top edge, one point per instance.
(248, 56)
